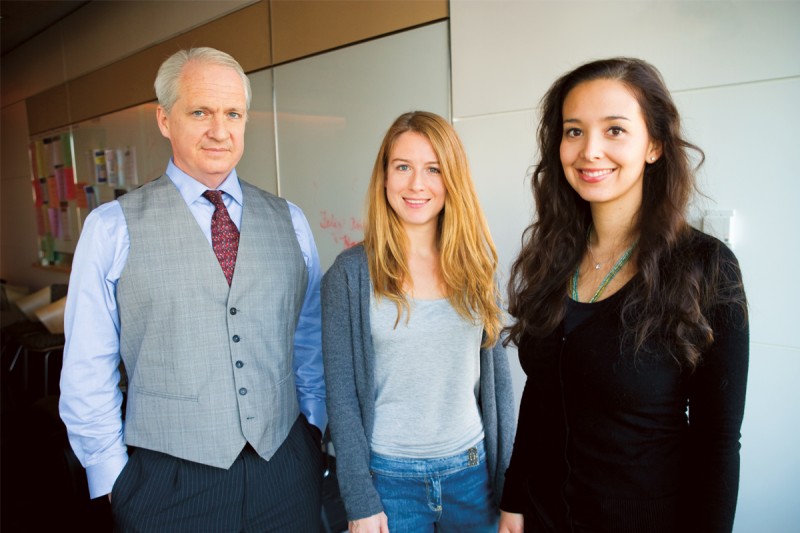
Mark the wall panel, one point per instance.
(507, 52)
(306, 27)
(333, 111)
(102, 33)
(244, 34)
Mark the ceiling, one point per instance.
(22, 20)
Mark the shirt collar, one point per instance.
(191, 189)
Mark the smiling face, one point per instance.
(605, 144)
(414, 186)
(206, 124)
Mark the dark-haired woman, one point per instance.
(631, 325)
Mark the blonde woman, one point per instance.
(419, 391)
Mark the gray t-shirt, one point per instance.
(427, 377)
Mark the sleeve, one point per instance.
(716, 409)
(515, 492)
(308, 368)
(90, 401)
(340, 328)
(504, 398)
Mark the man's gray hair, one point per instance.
(167, 82)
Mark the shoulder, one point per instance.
(347, 269)
(716, 264)
(106, 219)
(249, 190)
(709, 254)
(261, 200)
(140, 194)
(703, 245)
(351, 259)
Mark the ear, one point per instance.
(162, 117)
(654, 152)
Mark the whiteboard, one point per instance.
(332, 113)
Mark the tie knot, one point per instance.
(215, 197)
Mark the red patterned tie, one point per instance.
(224, 235)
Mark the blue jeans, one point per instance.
(449, 494)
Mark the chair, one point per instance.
(45, 343)
(43, 333)
(52, 315)
(28, 304)
(29, 322)
(10, 313)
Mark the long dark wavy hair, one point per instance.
(672, 296)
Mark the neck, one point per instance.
(425, 280)
(611, 229)
(422, 241)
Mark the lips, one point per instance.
(416, 202)
(594, 175)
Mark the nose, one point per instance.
(217, 129)
(417, 182)
(592, 147)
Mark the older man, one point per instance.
(208, 289)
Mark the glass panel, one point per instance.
(333, 111)
(130, 136)
(89, 163)
(55, 196)
(258, 162)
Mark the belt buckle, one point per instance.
(472, 456)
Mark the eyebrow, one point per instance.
(409, 161)
(610, 117)
(212, 109)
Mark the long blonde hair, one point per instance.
(468, 259)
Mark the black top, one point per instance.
(605, 441)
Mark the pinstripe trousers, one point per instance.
(159, 493)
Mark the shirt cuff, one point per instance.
(314, 411)
(515, 493)
(102, 476)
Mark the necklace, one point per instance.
(606, 280)
(594, 259)
(597, 264)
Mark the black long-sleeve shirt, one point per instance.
(612, 441)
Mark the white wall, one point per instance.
(734, 70)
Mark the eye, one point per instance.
(616, 131)
(198, 113)
(234, 114)
(572, 132)
(434, 170)
(402, 167)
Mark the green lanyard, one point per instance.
(606, 280)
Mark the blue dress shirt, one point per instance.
(91, 401)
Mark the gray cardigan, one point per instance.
(349, 377)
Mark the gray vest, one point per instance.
(209, 366)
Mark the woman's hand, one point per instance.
(510, 523)
(377, 523)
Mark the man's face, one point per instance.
(206, 123)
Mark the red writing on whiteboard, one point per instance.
(345, 235)
(329, 221)
(356, 225)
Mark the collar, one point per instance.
(191, 189)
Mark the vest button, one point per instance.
(239, 364)
(236, 338)
(242, 391)
(233, 310)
